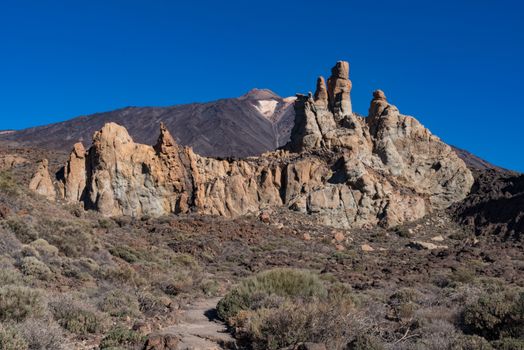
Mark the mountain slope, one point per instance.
(239, 127)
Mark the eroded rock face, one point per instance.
(9, 161)
(343, 169)
(41, 182)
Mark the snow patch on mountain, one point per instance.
(266, 107)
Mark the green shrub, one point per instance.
(509, 344)
(495, 315)
(125, 253)
(44, 249)
(18, 303)
(120, 337)
(31, 266)
(285, 283)
(210, 288)
(10, 276)
(120, 304)
(72, 237)
(22, 230)
(290, 323)
(10, 339)
(77, 318)
(8, 184)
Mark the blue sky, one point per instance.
(455, 65)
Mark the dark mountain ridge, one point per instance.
(248, 125)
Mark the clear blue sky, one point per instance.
(457, 65)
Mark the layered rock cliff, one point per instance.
(343, 169)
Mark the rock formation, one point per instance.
(41, 182)
(9, 161)
(343, 169)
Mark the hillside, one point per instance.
(248, 125)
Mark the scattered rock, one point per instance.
(306, 237)
(338, 236)
(367, 248)
(265, 217)
(340, 247)
(426, 245)
(438, 238)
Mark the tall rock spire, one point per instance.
(321, 94)
(165, 142)
(339, 88)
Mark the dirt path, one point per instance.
(199, 328)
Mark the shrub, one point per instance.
(122, 337)
(210, 288)
(44, 249)
(123, 274)
(10, 339)
(8, 184)
(470, 342)
(18, 303)
(509, 344)
(365, 342)
(10, 276)
(151, 304)
(120, 304)
(283, 307)
(73, 238)
(22, 230)
(125, 253)
(78, 318)
(495, 315)
(42, 334)
(286, 283)
(328, 322)
(31, 266)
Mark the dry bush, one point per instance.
(10, 276)
(495, 315)
(18, 303)
(24, 231)
(151, 304)
(44, 249)
(330, 323)
(122, 338)
(31, 266)
(77, 317)
(285, 283)
(283, 307)
(74, 238)
(120, 304)
(41, 334)
(8, 184)
(11, 339)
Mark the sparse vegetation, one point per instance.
(77, 318)
(18, 303)
(122, 338)
(68, 275)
